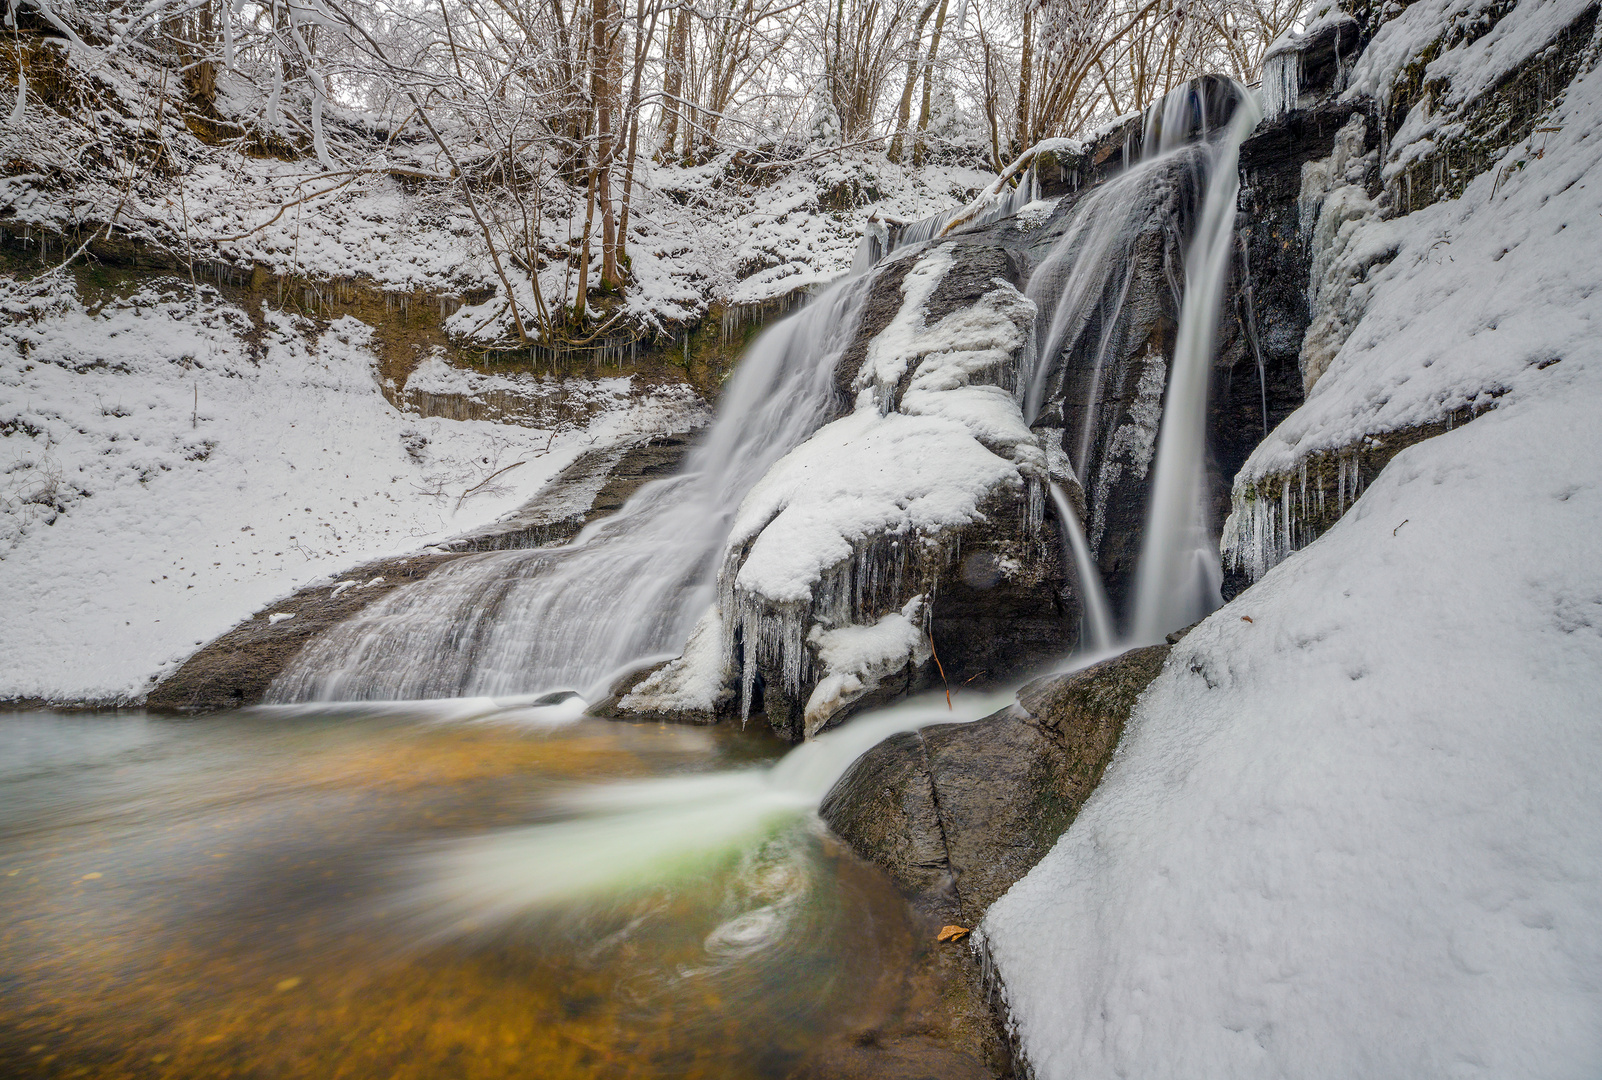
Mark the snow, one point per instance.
(875, 499)
(1482, 293)
(1359, 835)
(693, 682)
(1472, 68)
(861, 476)
(388, 217)
(163, 475)
(856, 658)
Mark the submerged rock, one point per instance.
(956, 813)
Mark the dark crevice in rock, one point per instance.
(939, 822)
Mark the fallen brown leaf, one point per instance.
(952, 933)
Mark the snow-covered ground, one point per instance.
(166, 470)
(1360, 834)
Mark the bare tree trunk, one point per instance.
(673, 81)
(200, 75)
(928, 81)
(990, 97)
(581, 296)
(904, 110)
(1026, 79)
(643, 36)
(604, 92)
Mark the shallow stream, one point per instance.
(401, 891)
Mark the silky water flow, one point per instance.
(628, 586)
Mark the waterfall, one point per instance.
(631, 585)
(1081, 288)
(1098, 612)
(1178, 577)
(1084, 279)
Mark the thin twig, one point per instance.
(482, 482)
(940, 667)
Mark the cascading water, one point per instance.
(1085, 279)
(1178, 576)
(628, 586)
(631, 586)
(1100, 634)
(1081, 288)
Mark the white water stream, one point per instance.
(631, 833)
(1101, 635)
(1081, 288)
(1178, 577)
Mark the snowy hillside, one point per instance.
(169, 469)
(1352, 829)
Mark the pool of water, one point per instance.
(408, 891)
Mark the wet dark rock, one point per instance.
(1257, 380)
(236, 669)
(595, 485)
(957, 813)
(1132, 375)
(988, 625)
(879, 309)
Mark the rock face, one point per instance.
(1101, 406)
(904, 537)
(956, 813)
(1259, 379)
(1365, 138)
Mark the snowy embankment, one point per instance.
(1360, 834)
(168, 469)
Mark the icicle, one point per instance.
(1282, 83)
(19, 110)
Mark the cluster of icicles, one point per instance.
(1263, 530)
(630, 587)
